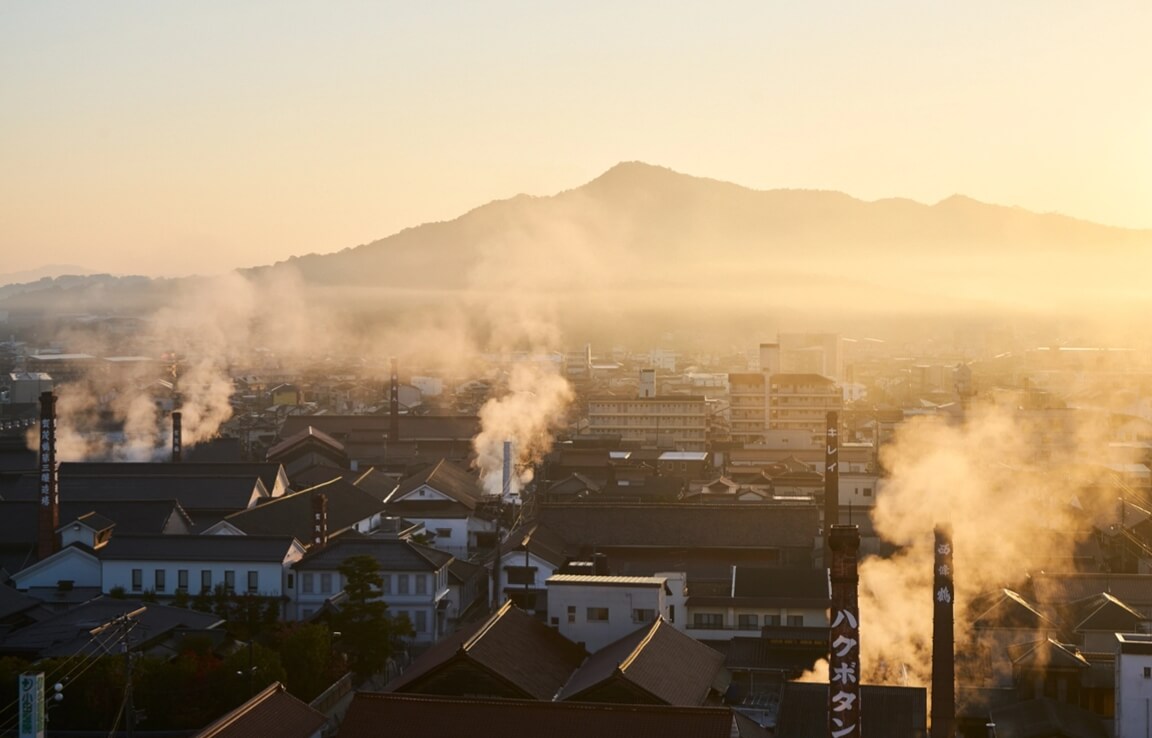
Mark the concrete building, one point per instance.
(1133, 684)
(598, 610)
(677, 422)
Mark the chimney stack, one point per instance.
(319, 520)
(506, 485)
(770, 358)
(831, 481)
(844, 634)
(943, 655)
(48, 519)
(394, 404)
(177, 437)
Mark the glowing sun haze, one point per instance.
(168, 139)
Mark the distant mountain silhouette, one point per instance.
(642, 235)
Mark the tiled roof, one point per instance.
(272, 714)
(391, 553)
(511, 645)
(671, 666)
(683, 525)
(540, 540)
(412, 427)
(1007, 609)
(79, 629)
(885, 712)
(144, 517)
(195, 493)
(292, 514)
(444, 477)
(307, 435)
(444, 716)
(266, 471)
(460, 570)
(197, 548)
(1101, 612)
(755, 581)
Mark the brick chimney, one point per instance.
(48, 518)
(844, 634)
(831, 481)
(943, 712)
(319, 520)
(177, 437)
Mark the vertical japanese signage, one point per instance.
(30, 720)
(177, 435)
(831, 480)
(844, 634)
(943, 661)
(319, 520)
(48, 486)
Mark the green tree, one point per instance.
(306, 652)
(367, 633)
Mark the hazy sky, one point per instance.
(174, 138)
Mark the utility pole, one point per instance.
(129, 706)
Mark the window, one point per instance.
(421, 624)
(521, 574)
(325, 582)
(386, 584)
(253, 581)
(571, 613)
(161, 580)
(421, 584)
(182, 580)
(796, 621)
(643, 615)
(1148, 672)
(306, 582)
(230, 580)
(402, 584)
(137, 580)
(597, 614)
(443, 532)
(671, 613)
(291, 581)
(205, 580)
(710, 620)
(748, 621)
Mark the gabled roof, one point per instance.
(442, 716)
(14, 602)
(540, 541)
(273, 713)
(800, 379)
(308, 436)
(669, 665)
(1007, 609)
(91, 520)
(1047, 654)
(1101, 612)
(460, 571)
(392, 554)
(18, 518)
(684, 525)
(512, 646)
(758, 581)
(198, 548)
(292, 514)
(446, 478)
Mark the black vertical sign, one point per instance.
(831, 480)
(943, 661)
(844, 634)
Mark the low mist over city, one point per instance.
(748, 372)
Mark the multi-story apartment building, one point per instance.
(801, 401)
(666, 421)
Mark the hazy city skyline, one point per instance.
(169, 140)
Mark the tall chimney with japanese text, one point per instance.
(177, 437)
(943, 656)
(844, 634)
(319, 520)
(394, 404)
(48, 519)
(831, 481)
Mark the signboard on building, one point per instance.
(30, 722)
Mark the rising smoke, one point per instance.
(1014, 508)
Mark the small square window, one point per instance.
(597, 614)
